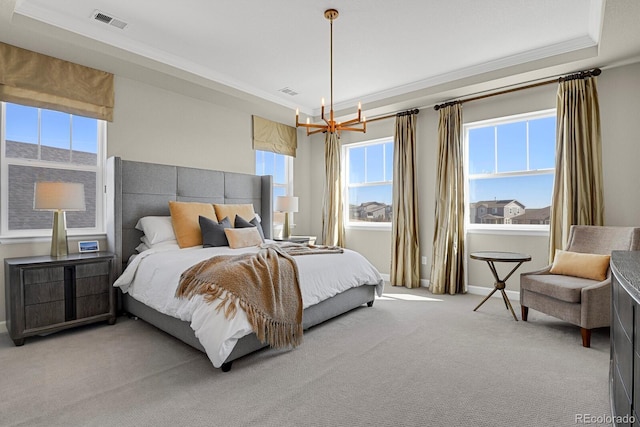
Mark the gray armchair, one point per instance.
(582, 302)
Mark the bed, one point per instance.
(137, 189)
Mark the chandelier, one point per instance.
(358, 124)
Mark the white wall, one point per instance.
(619, 93)
(619, 96)
(153, 124)
(181, 127)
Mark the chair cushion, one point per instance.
(564, 288)
(588, 266)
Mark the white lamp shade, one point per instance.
(287, 204)
(54, 196)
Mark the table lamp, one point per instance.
(58, 197)
(286, 204)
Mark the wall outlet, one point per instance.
(424, 260)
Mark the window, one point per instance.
(510, 166)
(369, 180)
(280, 167)
(45, 145)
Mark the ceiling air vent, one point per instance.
(288, 91)
(109, 20)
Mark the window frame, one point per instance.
(364, 225)
(517, 229)
(31, 235)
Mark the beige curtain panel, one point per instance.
(578, 196)
(37, 80)
(447, 268)
(274, 137)
(332, 211)
(405, 249)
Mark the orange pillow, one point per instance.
(245, 211)
(184, 217)
(587, 266)
(243, 237)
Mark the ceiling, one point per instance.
(382, 50)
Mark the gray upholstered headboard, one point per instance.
(137, 189)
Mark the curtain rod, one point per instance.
(388, 116)
(574, 76)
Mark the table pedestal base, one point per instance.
(499, 286)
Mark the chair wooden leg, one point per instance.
(586, 337)
(524, 311)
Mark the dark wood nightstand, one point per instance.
(45, 294)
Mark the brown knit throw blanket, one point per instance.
(265, 285)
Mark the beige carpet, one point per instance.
(413, 359)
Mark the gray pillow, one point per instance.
(243, 223)
(213, 232)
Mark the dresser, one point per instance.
(624, 372)
(47, 294)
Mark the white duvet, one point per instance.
(152, 278)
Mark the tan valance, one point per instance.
(30, 78)
(274, 137)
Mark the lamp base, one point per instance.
(286, 232)
(59, 245)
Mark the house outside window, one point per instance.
(39, 145)
(368, 183)
(280, 167)
(510, 168)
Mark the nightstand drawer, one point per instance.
(92, 305)
(39, 293)
(43, 275)
(40, 315)
(91, 270)
(92, 285)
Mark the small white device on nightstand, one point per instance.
(88, 246)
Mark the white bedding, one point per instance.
(152, 278)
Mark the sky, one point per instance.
(492, 149)
(503, 149)
(56, 128)
(371, 165)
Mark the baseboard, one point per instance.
(476, 290)
(3, 327)
(424, 283)
(481, 290)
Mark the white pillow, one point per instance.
(142, 247)
(166, 245)
(145, 241)
(157, 229)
